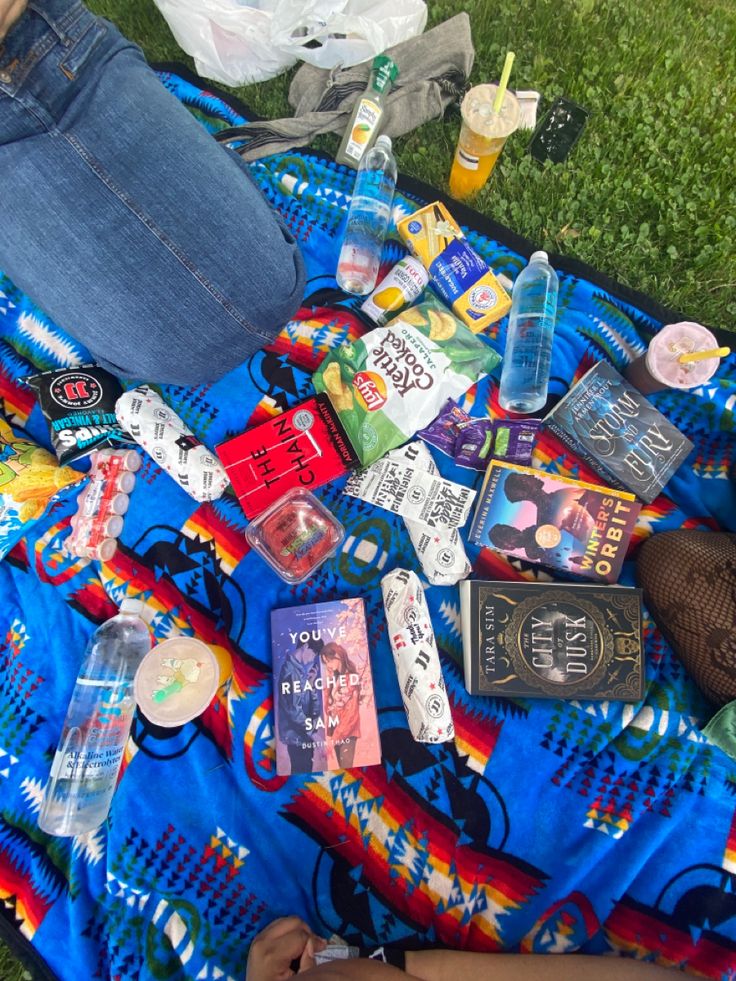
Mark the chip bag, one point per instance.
(394, 380)
(29, 477)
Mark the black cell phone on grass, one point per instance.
(558, 131)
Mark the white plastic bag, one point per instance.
(236, 42)
(344, 32)
(229, 41)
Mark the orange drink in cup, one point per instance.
(482, 137)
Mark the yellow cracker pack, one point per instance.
(458, 273)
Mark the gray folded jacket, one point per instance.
(433, 72)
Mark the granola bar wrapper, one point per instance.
(416, 658)
(158, 429)
(440, 551)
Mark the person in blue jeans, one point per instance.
(122, 219)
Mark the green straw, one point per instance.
(498, 101)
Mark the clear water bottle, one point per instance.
(87, 761)
(368, 220)
(526, 363)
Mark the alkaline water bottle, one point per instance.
(368, 219)
(87, 762)
(526, 363)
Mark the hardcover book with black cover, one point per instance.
(613, 428)
(548, 640)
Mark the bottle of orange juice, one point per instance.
(365, 120)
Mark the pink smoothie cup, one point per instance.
(660, 366)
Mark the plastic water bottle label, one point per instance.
(88, 763)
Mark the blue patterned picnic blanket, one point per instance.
(546, 826)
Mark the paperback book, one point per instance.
(324, 703)
(564, 524)
(613, 428)
(548, 640)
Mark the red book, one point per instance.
(324, 703)
(304, 447)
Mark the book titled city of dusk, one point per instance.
(552, 640)
(324, 703)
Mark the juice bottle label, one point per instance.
(366, 121)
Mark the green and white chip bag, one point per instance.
(394, 380)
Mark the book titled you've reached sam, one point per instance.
(324, 702)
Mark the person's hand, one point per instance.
(283, 941)
(10, 11)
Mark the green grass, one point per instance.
(648, 195)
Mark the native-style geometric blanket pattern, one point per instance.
(547, 826)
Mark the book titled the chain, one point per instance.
(552, 640)
(324, 703)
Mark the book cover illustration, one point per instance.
(304, 447)
(620, 434)
(324, 703)
(565, 524)
(546, 640)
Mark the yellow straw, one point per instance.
(716, 352)
(498, 101)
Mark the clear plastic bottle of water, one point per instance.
(526, 363)
(87, 761)
(368, 220)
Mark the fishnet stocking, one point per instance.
(689, 583)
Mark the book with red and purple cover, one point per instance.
(564, 524)
(324, 703)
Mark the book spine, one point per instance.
(594, 462)
(469, 620)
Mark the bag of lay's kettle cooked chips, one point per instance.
(394, 380)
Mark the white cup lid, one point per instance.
(176, 681)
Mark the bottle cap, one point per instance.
(540, 256)
(385, 71)
(132, 606)
(384, 141)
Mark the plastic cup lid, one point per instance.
(176, 681)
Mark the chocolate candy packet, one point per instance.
(79, 406)
(442, 432)
(474, 443)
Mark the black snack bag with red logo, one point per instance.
(79, 405)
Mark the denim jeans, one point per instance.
(121, 217)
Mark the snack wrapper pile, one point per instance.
(394, 380)
(416, 658)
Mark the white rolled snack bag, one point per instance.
(163, 435)
(416, 658)
(440, 550)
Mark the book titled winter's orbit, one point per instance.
(324, 703)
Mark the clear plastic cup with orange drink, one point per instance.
(482, 137)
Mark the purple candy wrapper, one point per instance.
(474, 444)
(442, 432)
(514, 439)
